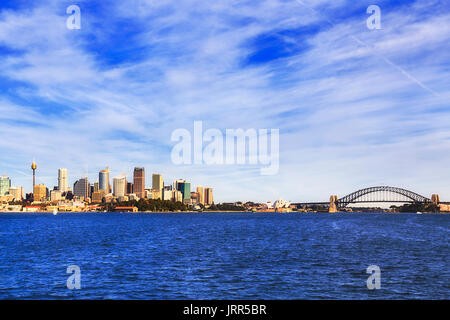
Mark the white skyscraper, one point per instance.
(62, 180)
(120, 185)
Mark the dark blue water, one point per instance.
(224, 256)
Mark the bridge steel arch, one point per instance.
(352, 197)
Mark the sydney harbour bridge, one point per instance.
(374, 195)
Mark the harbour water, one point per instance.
(224, 255)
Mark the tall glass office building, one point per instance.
(139, 182)
(103, 180)
(185, 188)
(5, 184)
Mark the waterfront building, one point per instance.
(209, 200)
(200, 195)
(62, 180)
(156, 194)
(103, 180)
(177, 196)
(108, 197)
(167, 195)
(81, 188)
(133, 196)
(16, 193)
(40, 193)
(97, 196)
(139, 182)
(31, 208)
(55, 195)
(189, 202)
(5, 184)
(120, 185)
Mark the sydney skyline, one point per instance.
(355, 107)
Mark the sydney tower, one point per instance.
(33, 167)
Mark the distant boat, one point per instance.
(55, 212)
(418, 212)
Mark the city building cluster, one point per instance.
(85, 196)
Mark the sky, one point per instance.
(355, 107)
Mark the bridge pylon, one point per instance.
(435, 198)
(333, 204)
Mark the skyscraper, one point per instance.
(200, 195)
(185, 189)
(176, 183)
(209, 196)
(62, 180)
(120, 185)
(103, 180)
(39, 192)
(5, 184)
(81, 188)
(157, 182)
(139, 182)
(129, 187)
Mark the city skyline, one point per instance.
(355, 107)
(70, 179)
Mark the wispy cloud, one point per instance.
(350, 113)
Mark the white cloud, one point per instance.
(354, 120)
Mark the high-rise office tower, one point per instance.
(62, 180)
(96, 187)
(81, 188)
(129, 187)
(185, 189)
(209, 196)
(40, 192)
(5, 184)
(139, 182)
(176, 183)
(200, 195)
(103, 180)
(157, 182)
(120, 185)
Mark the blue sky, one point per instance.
(355, 107)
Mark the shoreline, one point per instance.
(222, 211)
